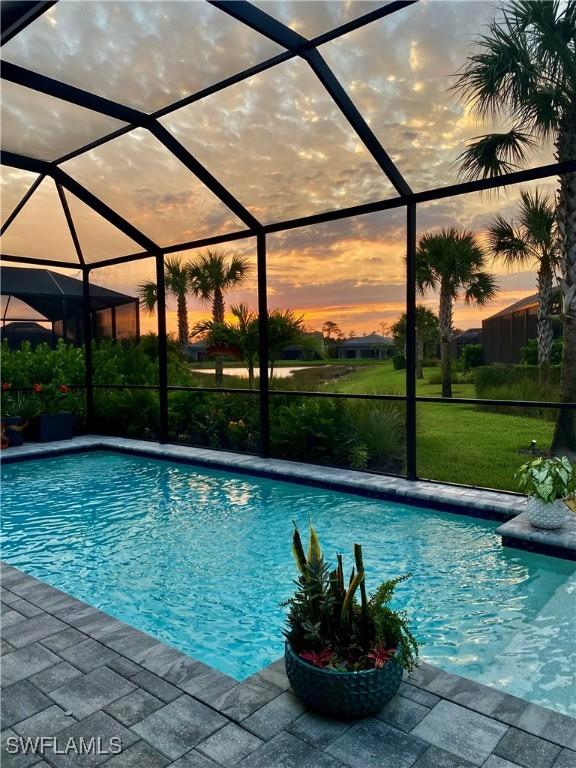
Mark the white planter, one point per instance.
(549, 516)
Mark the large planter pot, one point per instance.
(548, 516)
(13, 436)
(344, 695)
(55, 426)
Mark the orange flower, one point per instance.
(37, 388)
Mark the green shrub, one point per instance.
(216, 420)
(490, 376)
(377, 426)
(399, 362)
(127, 412)
(529, 353)
(472, 356)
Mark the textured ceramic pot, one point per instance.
(345, 695)
(547, 516)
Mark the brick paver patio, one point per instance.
(69, 670)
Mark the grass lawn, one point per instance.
(457, 443)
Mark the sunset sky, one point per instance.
(276, 141)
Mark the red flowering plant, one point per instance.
(50, 398)
(327, 625)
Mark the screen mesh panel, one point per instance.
(46, 128)
(281, 145)
(143, 54)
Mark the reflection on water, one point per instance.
(242, 373)
(202, 560)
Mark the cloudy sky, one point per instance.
(276, 141)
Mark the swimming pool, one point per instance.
(202, 560)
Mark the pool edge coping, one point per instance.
(500, 506)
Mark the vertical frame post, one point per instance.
(88, 372)
(411, 469)
(263, 346)
(162, 349)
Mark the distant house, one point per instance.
(197, 351)
(312, 350)
(461, 340)
(17, 332)
(505, 333)
(371, 347)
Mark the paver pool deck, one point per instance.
(70, 670)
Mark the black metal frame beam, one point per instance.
(203, 174)
(264, 384)
(296, 45)
(360, 126)
(15, 16)
(279, 33)
(29, 192)
(162, 348)
(88, 364)
(411, 463)
(71, 225)
(440, 193)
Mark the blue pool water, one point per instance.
(202, 560)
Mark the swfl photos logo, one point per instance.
(41, 745)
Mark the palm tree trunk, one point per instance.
(445, 325)
(419, 354)
(545, 330)
(218, 317)
(182, 311)
(565, 432)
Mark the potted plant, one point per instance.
(13, 424)
(547, 482)
(53, 423)
(344, 657)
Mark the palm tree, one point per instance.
(284, 330)
(453, 263)
(532, 240)
(426, 333)
(210, 276)
(177, 283)
(525, 67)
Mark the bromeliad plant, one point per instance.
(547, 479)
(329, 628)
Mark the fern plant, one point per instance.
(328, 626)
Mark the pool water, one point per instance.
(202, 560)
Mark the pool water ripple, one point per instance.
(202, 560)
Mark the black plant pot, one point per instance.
(55, 426)
(344, 695)
(14, 436)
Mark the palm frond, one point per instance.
(494, 154)
(507, 243)
(481, 289)
(148, 293)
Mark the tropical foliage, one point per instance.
(452, 263)
(532, 240)
(211, 275)
(329, 627)
(427, 335)
(177, 282)
(524, 68)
